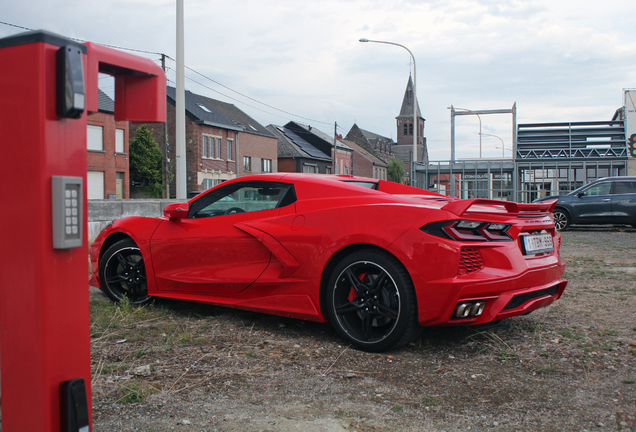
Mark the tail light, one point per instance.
(464, 230)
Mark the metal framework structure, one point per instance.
(550, 159)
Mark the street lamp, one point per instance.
(479, 117)
(415, 123)
(502, 143)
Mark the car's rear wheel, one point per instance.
(371, 301)
(122, 273)
(561, 219)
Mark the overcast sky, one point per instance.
(565, 60)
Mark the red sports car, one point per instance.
(377, 259)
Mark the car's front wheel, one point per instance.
(122, 273)
(371, 301)
(561, 219)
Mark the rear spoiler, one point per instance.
(460, 207)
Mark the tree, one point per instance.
(395, 171)
(145, 158)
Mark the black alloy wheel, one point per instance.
(371, 301)
(122, 273)
(561, 219)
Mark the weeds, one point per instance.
(545, 369)
(507, 355)
(133, 392)
(430, 401)
(572, 335)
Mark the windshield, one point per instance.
(575, 191)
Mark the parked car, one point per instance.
(377, 259)
(609, 200)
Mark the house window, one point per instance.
(119, 141)
(266, 165)
(328, 170)
(310, 169)
(229, 149)
(410, 128)
(95, 138)
(211, 147)
(247, 163)
(95, 184)
(210, 183)
(346, 169)
(406, 129)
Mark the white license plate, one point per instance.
(537, 243)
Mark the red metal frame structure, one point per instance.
(44, 314)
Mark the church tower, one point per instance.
(404, 148)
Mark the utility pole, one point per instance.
(335, 149)
(180, 132)
(165, 161)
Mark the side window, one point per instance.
(599, 189)
(624, 188)
(242, 197)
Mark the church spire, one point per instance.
(407, 102)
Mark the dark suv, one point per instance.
(609, 200)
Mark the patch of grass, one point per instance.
(607, 332)
(572, 335)
(587, 347)
(250, 354)
(629, 382)
(398, 408)
(430, 401)
(140, 353)
(134, 392)
(108, 368)
(544, 354)
(545, 369)
(507, 355)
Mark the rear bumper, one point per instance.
(504, 297)
(513, 303)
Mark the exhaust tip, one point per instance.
(470, 308)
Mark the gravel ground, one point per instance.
(178, 366)
(571, 366)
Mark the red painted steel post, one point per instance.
(44, 313)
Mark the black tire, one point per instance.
(561, 219)
(371, 301)
(122, 273)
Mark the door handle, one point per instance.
(607, 199)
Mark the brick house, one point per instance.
(378, 145)
(365, 163)
(305, 149)
(257, 149)
(219, 138)
(107, 145)
(344, 154)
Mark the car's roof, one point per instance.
(616, 178)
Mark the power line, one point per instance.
(202, 75)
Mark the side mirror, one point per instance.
(176, 211)
(580, 194)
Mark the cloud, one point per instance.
(559, 61)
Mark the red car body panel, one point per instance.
(276, 261)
